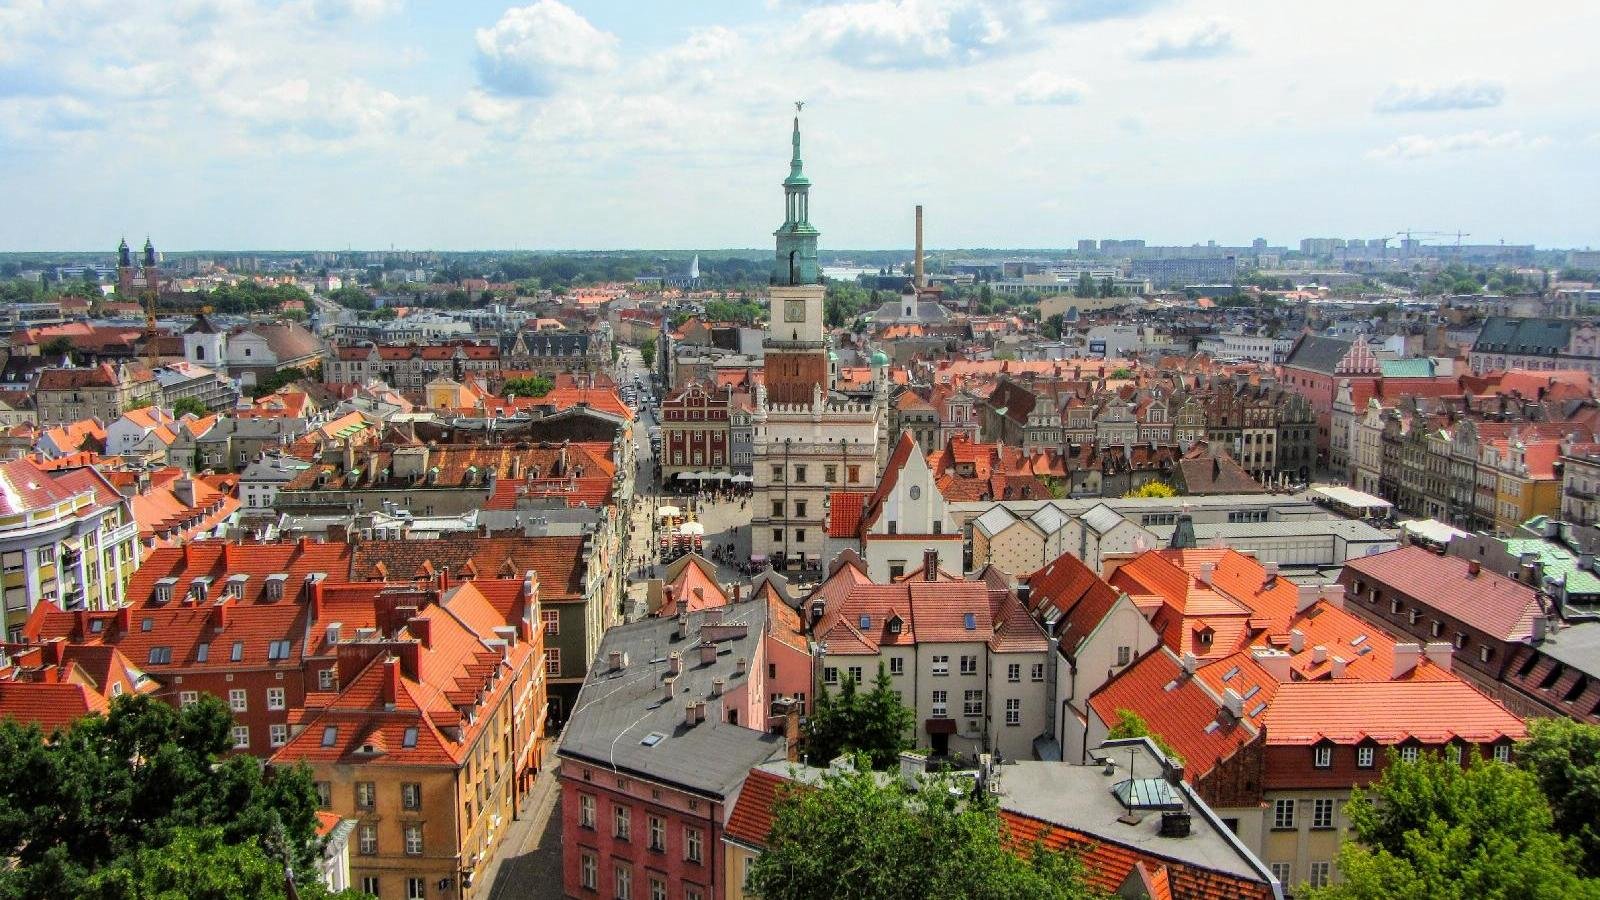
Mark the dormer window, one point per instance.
(330, 735)
(164, 589)
(236, 586)
(275, 584)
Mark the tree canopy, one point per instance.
(1152, 489)
(527, 386)
(189, 405)
(1563, 756)
(1434, 829)
(647, 353)
(141, 803)
(874, 723)
(1130, 724)
(860, 835)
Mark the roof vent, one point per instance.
(1175, 824)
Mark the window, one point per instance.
(1037, 672)
(800, 535)
(1013, 711)
(777, 509)
(552, 661)
(585, 811)
(160, 655)
(855, 674)
(366, 795)
(1322, 757)
(693, 844)
(830, 675)
(1124, 655)
(369, 884)
(941, 704)
(1364, 757)
(238, 701)
(897, 665)
(1409, 754)
(799, 474)
(367, 839)
(411, 795)
(969, 665)
(552, 620)
(413, 839)
(408, 738)
(202, 652)
(658, 889)
(1322, 812)
(621, 822)
(941, 665)
(275, 698)
(588, 870)
(1283, 814)
(658, 834)
(238, 652)
(324, 794)
(972, 703)
(830, 474)
(1282, 871)
(777, 474)
(1320, 873)
(325, 680)
(624, 883)
(800, 509)
(278, 735)
(187, 697)
(777, 535)
(241, 737)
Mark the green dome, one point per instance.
(879, 359)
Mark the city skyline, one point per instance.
(371, 123)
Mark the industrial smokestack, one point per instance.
(919, 282)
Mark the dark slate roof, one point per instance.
(617, 709)
(548, 343)
(1504, 334)
(1317, 353)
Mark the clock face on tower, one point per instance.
(794, 311)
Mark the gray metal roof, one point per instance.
(1575, 646)
(621, 721)
(1318, 353)
(1504, 334)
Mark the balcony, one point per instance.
(1581, 494)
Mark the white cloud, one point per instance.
(532, 47)
(367, 10)
(1416, 146)
(693, 60)
(1047, 89)
(922, 34)
(1417, 96)
(1200, 40)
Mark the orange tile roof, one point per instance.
(1180, 708)
(844, 513)
(50, 706)
(750, 820)
(1432, 712)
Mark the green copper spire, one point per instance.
(796, 261)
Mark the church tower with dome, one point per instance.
(810, 445)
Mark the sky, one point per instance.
(464, 124)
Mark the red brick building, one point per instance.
(694, 430)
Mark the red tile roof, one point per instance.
(1178, 707)
(1432, 712)
(1490, 602)
(750, 820)
(844, 513)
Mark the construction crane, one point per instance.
(1409, 234)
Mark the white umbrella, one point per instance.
(667, 512)
(692, 528)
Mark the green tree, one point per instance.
(1107, 288)
(1051, 327)
(864, 836)
(1563, 756)
(1433, 829)
(1130, 724)
(527, 386)
(198, 864)
(1152, 489)
(874, 723)
(96, 795)
(189, 405)
(647, 353)
(57, 347)
(1085, 286)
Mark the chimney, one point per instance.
(739, 667)
(930, 564)
(1233, 703)
(1319, 655)
(1541, 627)
(1406, 657)
(791, 730)
(699, 711)
(1473, 568)
(1440, 653)
(1190, 663)
(674, 663)
(681, 608)
(1176, 824)
(1337, 671)
(183, 489)
(1271, 570)
(919, 279)
(688, 713)
(668, 684)
(421, 629)
(391, 680)
(716, 687)
(708, 653)
(1297, 640)
(1207, 570)
(332, 634)
(614, 660)
(1309, 595)
(1275, 663)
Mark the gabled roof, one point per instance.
(1490, 602)
(1178, 707)
(1388, 712)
